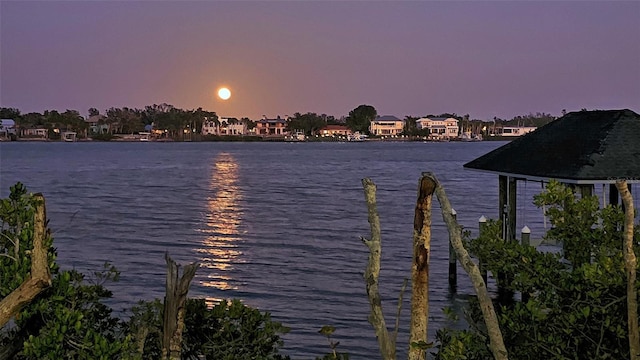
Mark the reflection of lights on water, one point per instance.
(219, 249)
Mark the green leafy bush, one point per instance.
(228, 330)
(577, 304)
(16, 239)
(67, 320)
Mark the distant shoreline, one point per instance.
(253, 139)
(396, 140)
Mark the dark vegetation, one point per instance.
(576, 308)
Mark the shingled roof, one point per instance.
(584, 147)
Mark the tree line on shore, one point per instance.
(174, 120)
(579, 304)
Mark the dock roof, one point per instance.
(585, 147)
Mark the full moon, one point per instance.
(224, 93)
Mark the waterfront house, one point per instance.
(210, 126)
(334, 130)
(34, 133)
(232, 126)
(97, 124)
(266, 127)
(387, 125)
(7, 128)
(224, 126)
(439, 127)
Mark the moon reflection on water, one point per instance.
(220, 246)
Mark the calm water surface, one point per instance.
(274, 224)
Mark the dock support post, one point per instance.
(482, 223)
(511, 209)
(526, 236)
(502, 204)
(613, 194)
(508, 205)
(453, 270)
(526, 241)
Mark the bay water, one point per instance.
(276, 225)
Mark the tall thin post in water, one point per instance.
(453, 269)
(482, 225)
(526, 241)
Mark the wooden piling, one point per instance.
(502, 203)
(453, 269)
(526, 241)
(482, 223)
(526, 236)
(508, 204)
(511, 210)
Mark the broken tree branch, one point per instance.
(175, 298)
(399, 310)
(496, 343)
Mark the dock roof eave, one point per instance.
(562, 180)
(585, 147)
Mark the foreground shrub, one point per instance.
(228, 330)
(577, 299)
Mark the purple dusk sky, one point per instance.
(483, 58)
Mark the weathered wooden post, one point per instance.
(526, 241)
(453, 269)
(630, 266)
(482, 224)
(376, 317)
(175, 298)
(420, 268)
(40, 277)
